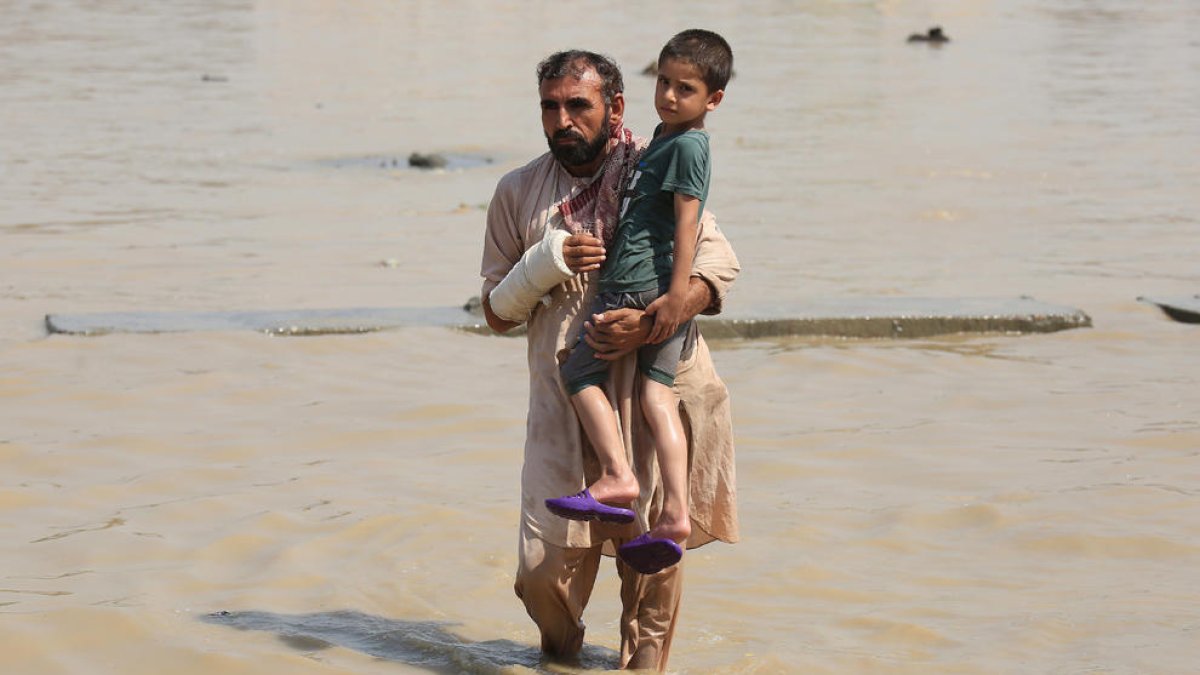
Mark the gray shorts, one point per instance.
(658, 362)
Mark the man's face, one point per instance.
(576, 121)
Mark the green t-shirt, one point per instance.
(640, 255)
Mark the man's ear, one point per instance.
(714, 100)
(616, 111)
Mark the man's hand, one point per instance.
(583, 253)
(617, 332)
(668, 312)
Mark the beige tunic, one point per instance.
(558, 459)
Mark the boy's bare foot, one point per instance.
(613, 489)
(659, 548)
(675, 528)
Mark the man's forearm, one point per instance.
(699, 297)
(494, 322)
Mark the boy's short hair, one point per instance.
(575, 62)
(704, 49)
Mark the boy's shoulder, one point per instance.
(689, 146)
(691, 140)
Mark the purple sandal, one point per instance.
(583, 506)
(648, 554)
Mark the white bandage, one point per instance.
(539, 270)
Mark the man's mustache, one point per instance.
(563, 134)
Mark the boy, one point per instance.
(647, 266)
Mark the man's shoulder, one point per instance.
(520, 178)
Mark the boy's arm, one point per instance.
(670, 310)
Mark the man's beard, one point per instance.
(582, 152)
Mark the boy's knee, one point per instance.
(656, 394)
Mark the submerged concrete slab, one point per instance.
(897, 317)
(838, 317)
(288, 322)
(1184, 310)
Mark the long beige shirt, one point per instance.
(558, 459)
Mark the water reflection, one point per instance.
(426, 644)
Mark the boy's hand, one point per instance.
(668, 313)
(583, 252)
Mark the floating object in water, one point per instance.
(933, 35)
(427, 161)
(1183, 310)
(448, 161)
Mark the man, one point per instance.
(544, 240)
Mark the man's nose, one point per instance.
(563, 120)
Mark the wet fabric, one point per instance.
(555, 584)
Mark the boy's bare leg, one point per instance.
(617, 483)
(661, 408)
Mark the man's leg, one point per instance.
(555, 585)
(650, 607)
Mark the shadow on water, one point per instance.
(425, 644)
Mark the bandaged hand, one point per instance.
(535, 274)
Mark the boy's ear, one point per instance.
(714, 100)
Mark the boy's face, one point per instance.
(681, 96)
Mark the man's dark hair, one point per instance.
(706, 50)
(575, 62)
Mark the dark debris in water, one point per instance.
(1181, 309)
(933, 36)
(424, 161)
